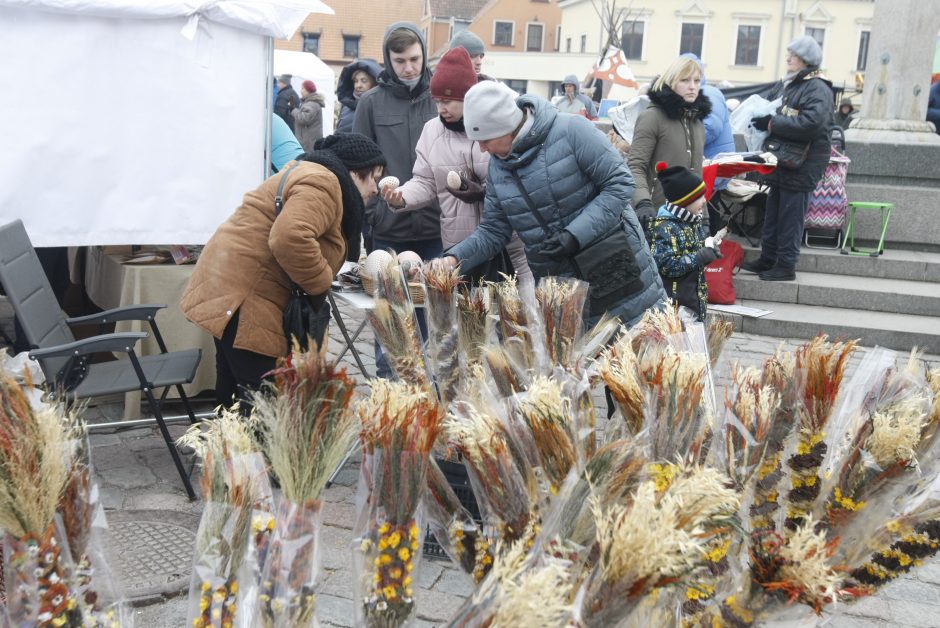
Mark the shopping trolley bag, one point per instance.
(827, 209)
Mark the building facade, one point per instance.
(355, 31)
(739, 41)
(442, 19)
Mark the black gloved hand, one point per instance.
(561, 244)
(761, 123)
(706, 255)
(470, 191)
(645, 212)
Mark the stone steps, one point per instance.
(892, 300)
(900, 332)
(896, 296)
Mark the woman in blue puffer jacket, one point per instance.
(560, 167)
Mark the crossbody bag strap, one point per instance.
(278, 206)
(279, 197)
(531, 205)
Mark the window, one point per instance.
(631, 39)
(502, 33)
(691, 39)
(533, 37)
(819, 34)
(312, 43)
(558, 38)
(568, 44)
(351, 46)
(748, 45)
(862, 62)
(583, 43)
(517, 85)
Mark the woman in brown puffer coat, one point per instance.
(244, 276)
(670, 130)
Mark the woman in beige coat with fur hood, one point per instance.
(244, 277)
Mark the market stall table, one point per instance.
(111, 282)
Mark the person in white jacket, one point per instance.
(444, 148)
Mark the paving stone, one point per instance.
(850, 621)
(913, 591)
(338, 582)
(914, 613)
(455, 582)
(176, 502)
(339, 514)
(929, 572)
(347, 477)
(165, 613)
(137, 476)
(145, 441)
(337, 611)
(113, 456)
(428, 573)
(871, 607)
(436, 606)
(337, 493)
(111, 497)
(336, 547)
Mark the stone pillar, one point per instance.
(897, 77)
(895, 152)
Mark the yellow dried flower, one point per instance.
(384, 528)
(384, 559)
(404, 554)
(394, 539)
(390, 593)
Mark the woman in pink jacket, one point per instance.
(444, 147)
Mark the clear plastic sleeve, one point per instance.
(387, 539)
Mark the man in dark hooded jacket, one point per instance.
(392, 114)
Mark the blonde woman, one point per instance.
(670, 130)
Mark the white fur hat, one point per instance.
(490, 111)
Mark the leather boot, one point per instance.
(778, 273)
(758, 265)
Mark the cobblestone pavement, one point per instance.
(136, 474)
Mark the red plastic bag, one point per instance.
(719, 275)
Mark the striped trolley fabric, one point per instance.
(829, 204)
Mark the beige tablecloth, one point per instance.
(111, 283)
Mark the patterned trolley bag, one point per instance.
(826, 214)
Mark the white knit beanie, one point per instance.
(490, 111)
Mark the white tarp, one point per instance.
(122, 130)
(274, 18)
(302, 66)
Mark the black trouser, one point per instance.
(238, 372)
(784, 214)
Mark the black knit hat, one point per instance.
(356, 151)
(681, 186)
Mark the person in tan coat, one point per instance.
(244, 276)
(671, 130)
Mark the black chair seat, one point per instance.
(166, 369)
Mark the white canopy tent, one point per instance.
(303, 66)
(134, 121)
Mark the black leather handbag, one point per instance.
(305, 316)
(790, 155)
(608, 264)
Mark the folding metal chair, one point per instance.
(65, 361)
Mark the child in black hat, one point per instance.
(678, 238)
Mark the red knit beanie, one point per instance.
(453, 76)
(310, 86)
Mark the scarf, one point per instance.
(353, 207)
(683, 213)
(456, 127)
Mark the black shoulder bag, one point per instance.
(608, 264)
(305, 316)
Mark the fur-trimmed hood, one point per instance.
(675, 106)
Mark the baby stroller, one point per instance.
(824, 226)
